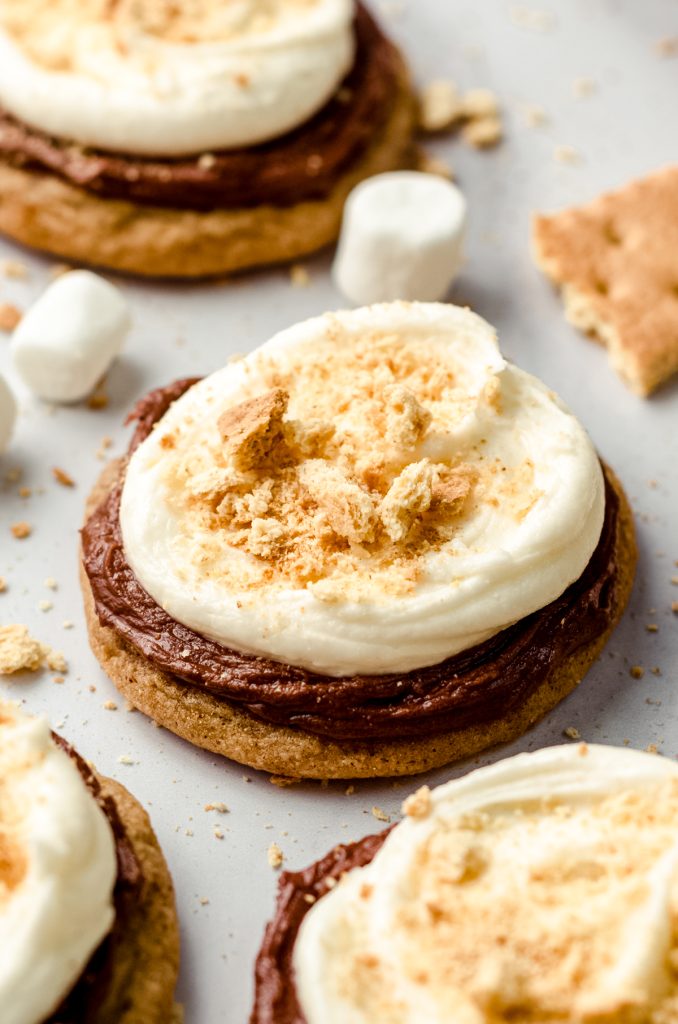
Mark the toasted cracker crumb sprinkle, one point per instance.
(126, 759)
(572, 733)
(3, 584)
(110, 705)
(483, 132)
(45, 606)
(583, 87)
(62, 477)
(219, 807)
(674, 606)
(637, 671)
(299, 276)
(379, 814)
(440, 105)
(434, 165)
(50, 583)
(99, 400)
(652, 627)
(21, 530)
(565, 154)
(418, 805)
(10, 316)
(275, 856)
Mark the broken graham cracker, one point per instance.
(251, 430)
(20, 652)
(615, 262)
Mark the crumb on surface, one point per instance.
(110, 705)
(435, 165)
(483, 132)
(21, 652)
(637, 671)
(379, 814)
(440, 105)
(299, 276)
(275, 856)
(418, 804)
(219, 807)
(3, 584)
(62, 477)
(14, 269)
(283, 781)
(21, 530)
(572, 733)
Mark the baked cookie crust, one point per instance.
(145, 964)
(44, 212)
(223, 728)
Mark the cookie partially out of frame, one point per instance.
(615, 261)
(224, 728)
(143, 962)
(45, 212)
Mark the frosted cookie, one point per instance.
(370, 547)
(87, 918)
(186, 140)
(540, 889)
(614, 260)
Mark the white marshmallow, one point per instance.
(68, 339)
(8, 412)
(402, 238)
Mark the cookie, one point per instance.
(223, 727)
(614, 261)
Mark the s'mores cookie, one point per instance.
(540, 889)
(192, 139)
(615, 262)
(88, 927)
(370, 547)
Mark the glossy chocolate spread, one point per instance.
(82, 1003)
(275, 997)
(478, 685)
(303, 164)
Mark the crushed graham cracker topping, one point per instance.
(338, 471)
(47, 29)
(20, 652)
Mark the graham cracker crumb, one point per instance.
(10, 317)
(667, 47)
(253, 429)
(583, 87)
(637, 671)
(480, 103)
(406, 500)
(440, 106)
(62, 477)
(110, 705)
(535, 116)
(483, 132)
(126, 759)
(348, 509)
(674, 606)
(572, 733)
(652, 627)
(21, 530)
(407, 421)
(45, 606)
(15, 270)
(299, 276)
(50, 583)
(25, 492)
(418, 805)
(379, 814)
(19, 651)
(565, 154)
(275, 856)
(219, 807)
(3, 584)
(56, 661)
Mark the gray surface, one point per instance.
(626, 128)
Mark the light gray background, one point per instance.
(627, 127)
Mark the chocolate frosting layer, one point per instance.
(275, 997)
(303, 164)
(476, 686)
(82, 1003)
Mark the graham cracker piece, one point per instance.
(615, 261)
(406, 500)
(252, 429)
(349, 510)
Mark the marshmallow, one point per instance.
(401, 238)
(68, 339)
(7, 414)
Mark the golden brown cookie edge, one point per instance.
(42, 211)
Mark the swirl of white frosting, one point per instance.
(57, 871)
(163, 79)
(528, 531)
(541, 888)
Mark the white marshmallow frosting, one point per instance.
(528, 530)
(542, 888)
(151, 77)
(57, 871)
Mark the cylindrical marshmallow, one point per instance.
(68, 339)
(402, 238)
(8, 412)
